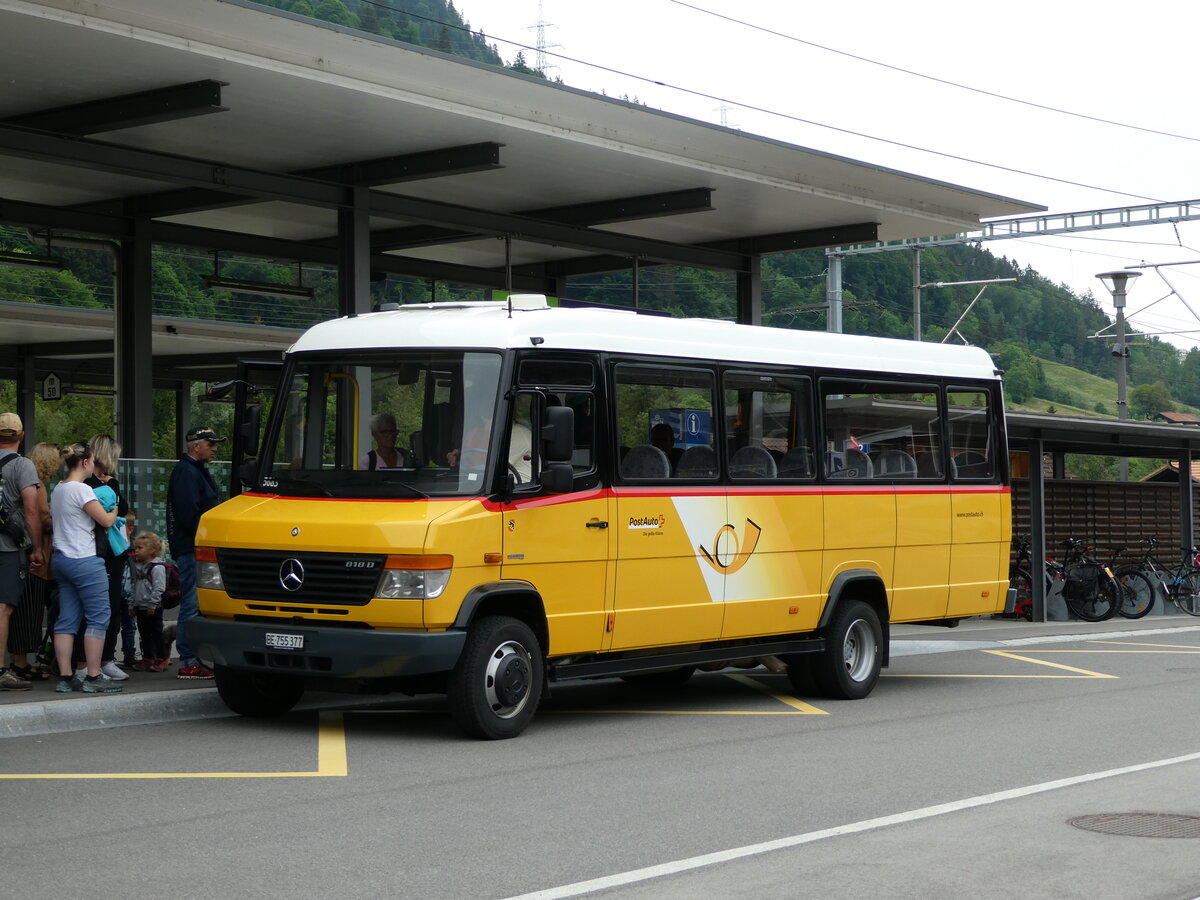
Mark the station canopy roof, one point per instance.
(221, 125)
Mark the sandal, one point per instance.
(31, 673)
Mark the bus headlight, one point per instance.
(414, 577)
(208, 573)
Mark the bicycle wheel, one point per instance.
(1187, 595)
(1098, 604)
(1136, 592)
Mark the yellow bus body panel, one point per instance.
(982, 529)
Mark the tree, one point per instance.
(1148, 400)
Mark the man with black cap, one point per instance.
(20, 485)
(191, 492)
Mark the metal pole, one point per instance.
(833, 293)
(1122, 406)
(916, 294)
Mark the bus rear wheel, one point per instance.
(255, 694)
(495, 687)
(848, 667)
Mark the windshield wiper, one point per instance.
(307, 482)
(404, 484)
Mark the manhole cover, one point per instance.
(1162, 825)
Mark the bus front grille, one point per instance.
(309, 579)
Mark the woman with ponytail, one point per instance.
(82, 578)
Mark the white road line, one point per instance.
(580, 888)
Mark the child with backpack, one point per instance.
(151, 585)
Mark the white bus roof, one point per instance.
(532, 322)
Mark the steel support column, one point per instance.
(354, 256)
(749, 293)
(1037, 528)
(26, 388)
(1187, 523)
(133, 308)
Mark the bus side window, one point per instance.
(662, 412)
(768, 423)
(971, 454)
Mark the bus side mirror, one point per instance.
(557, 478)
(249, 428)
(558, 435)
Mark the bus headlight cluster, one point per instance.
(208, 575)
(414, 577)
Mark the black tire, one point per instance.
(1188, 598)
(256, 694)
(495, 687)
(1137, 593)
(848, 667)
(1100, 604)
(667, 678)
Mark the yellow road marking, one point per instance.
(1190, 647)
(798, 707)
(331, 761)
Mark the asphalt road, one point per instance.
(956, 778)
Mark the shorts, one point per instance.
(12, 577)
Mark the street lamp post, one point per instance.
(1117, 283)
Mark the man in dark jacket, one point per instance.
(191, 492)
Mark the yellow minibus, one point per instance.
(484, 498)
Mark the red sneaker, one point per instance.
(194, 672)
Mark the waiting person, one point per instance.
(386, 454)
(128, 621)
(27, 626)
(21, 486)
(191, 492)
(149, 575)
(80, 573)
(106, 453)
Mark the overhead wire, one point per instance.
(769, 112)
(934, 78)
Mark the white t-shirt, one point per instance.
(74, 534)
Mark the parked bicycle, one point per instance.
(1020, 579)
(1178, 583)
(1090, 589)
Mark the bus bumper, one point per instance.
(329, 652)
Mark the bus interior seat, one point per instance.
(645, 461)
(972, 464)
(928, 465)
(697, 462)
(796, 463)
(858, 465)
(895, 464)
(752, 462)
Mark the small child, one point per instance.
(149, 581)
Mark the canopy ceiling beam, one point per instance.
(367, 173)
(601, 212)
(98, 155)
(165, 104)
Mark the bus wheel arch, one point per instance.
(518, 599)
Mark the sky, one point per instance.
(745, 65)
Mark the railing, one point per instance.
(144, 484)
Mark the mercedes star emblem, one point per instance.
(291, 575)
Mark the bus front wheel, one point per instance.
(255, 694)
(495, 686)
(848, 667)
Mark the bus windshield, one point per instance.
(409, 425)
